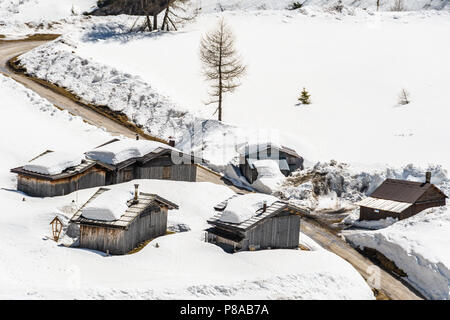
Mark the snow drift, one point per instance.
(242, 208)
(118, 151)
(108, 206)
(269, 176)
(418, 246)
(53, 163)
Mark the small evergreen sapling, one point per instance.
(404, 97)
(305, 97)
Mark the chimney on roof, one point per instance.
(264, 208)
(171, 142)
(428, 177)
(137, 136)
(136, 193)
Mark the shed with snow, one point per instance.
(253, 222)
(55, 174)
(127, 160)
(288, 160)
(401, 199)
(116, 222)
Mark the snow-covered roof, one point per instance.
(122, 150)
(242, 208)
(384, 205)
(269, 176)
(252, 148)
(282, 163)
(53, 162)
(108, 206)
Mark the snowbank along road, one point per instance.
(9, 50)
(376, 277)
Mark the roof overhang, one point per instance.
(384, 205)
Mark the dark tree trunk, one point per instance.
(155, 22)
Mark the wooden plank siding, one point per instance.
(151, 223)
(35, 187)
(281, 231)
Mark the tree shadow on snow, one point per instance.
(122, 34)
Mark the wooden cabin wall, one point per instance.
(250, 174)
(418, 207)
(150, 224)
(103, 239)
(277, 232)
(45, 188)
(160, 170)
(370, 214)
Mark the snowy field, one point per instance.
(181, 266)
(354, 66)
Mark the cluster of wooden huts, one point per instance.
(161, 162)
(268, 226)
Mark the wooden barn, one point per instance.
(163, 162)
(145, 218)
(87, 174)
(288, 159)
(274, 226)
(401, 199)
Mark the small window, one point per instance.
(376, 210)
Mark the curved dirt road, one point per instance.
(390, 286)
(11, 49)
(375, 277)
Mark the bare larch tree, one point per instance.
(178, 12)
(221, 64)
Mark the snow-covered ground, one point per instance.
(419, 246)
(181, 266)
(43, 10)
(354, 66)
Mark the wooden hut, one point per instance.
(145, 218)
(401, 199)
(163, 162)
(288, 159)
(87, 174)
(275, 226)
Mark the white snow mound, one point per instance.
(122, 150)
(269, 176)
(242, 208)
(108, 206)
(53, 163)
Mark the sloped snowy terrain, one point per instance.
(354, 63)
(35, 10)
(354, 91)
(181, 266)
(419, 246)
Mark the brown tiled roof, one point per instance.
(401, 190)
